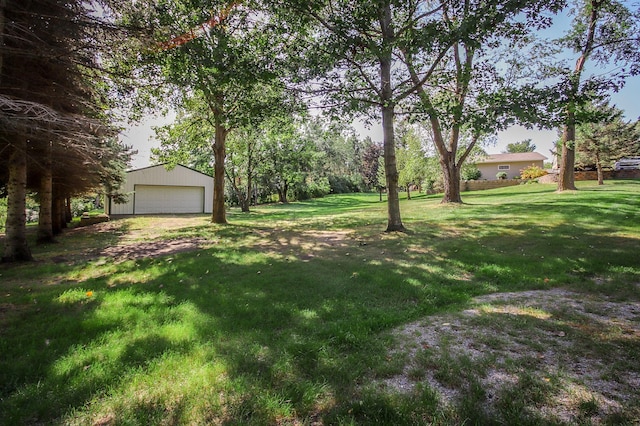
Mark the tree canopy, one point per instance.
(526, 145)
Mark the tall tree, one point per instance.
(48, 107)
(351, 61)
(245, 155)
(370, 164)
(462, 71)
(603, 32)
(229, 64)
(341, 151)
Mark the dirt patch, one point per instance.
(122, 253)
(560, 339)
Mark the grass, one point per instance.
(288, 314)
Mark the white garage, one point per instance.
(156, 190)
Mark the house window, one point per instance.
(504, 167)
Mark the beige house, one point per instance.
(156, 190)
(511, 164)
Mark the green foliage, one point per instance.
(80, 205)
(340, 157)
(501, 175)
(312, 189)
(3, 213)
(523, 146)
(411, 156)
(606, 137)
(372, 174)
(470, 173)
(532, 172)
(346, 184)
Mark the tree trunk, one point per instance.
(282, 193)
(219, 153)
(68, 216)
(3, 6)
(394, 221)
(451, 174)
(58, 216)
(446, 156)
(249, 180)
(599, 170)
(45, 217)
(244, 197)
(16, 246)
(408, 192)
(566, 179)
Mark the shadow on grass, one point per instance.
(276, 325)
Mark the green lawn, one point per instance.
(289, 314)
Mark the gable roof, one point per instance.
(511, 158)
(163, 165)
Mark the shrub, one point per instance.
(532, 172)
(501, 175)
(471, 173)
(345, 184)
(313, 189)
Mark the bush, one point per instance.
(345, 184)
(314, 189)
(471, 173)
(501, 175)
(84, 205)
(532, 172)
(79, 206)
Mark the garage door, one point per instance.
(151, 199)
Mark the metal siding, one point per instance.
(159, 176)
(150, 199)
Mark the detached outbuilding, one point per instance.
(511, 164)
(156, 190)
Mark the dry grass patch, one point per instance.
(558, 355)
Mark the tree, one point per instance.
(188, 139)
(604, 32)
(602, 142)
(228, 68)
(412, 161)
(460, 77)
(522, 146)
(288, 156)
(371, 163)
(350, 60)
(245, 154)
(340, 153)
(51, 112)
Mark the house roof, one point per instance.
(511, 158)
(163, 165)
